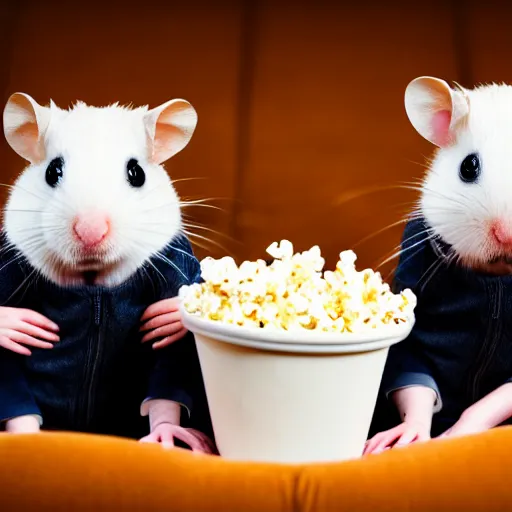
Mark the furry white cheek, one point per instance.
(151, 225)
(26, 212)
(450, 213)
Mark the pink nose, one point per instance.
(502, 233)
(91, 229)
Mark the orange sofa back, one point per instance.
(75, 473)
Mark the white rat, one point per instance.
(92, 238)
(465, 197)
(95, 199)
(453, 375)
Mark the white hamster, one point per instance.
(466, 197)
(95, 203)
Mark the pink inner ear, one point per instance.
(166, 142)
(441, 127)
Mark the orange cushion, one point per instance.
(452, 475)
(76, 472)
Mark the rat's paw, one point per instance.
(23, 425)
(19, 327)
(165, 433)
(401, 435)
(161, 307)
(162, 320)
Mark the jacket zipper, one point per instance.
(94, 356)
(491, 340)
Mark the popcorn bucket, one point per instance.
(291, 397)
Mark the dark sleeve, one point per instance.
(406, 365)
(16, 399)
(176, 373)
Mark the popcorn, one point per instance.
(281, 251)
(293, 294)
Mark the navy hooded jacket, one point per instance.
(99, 373)
(461, 344)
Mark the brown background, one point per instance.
(302, 132)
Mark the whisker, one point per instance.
(195, 235)
(403, 242)
(204, 228)
(25, 281)
(179, 180)
(202, 201)
(16, 258)
(38, 229)
(187, 233)
(433, 268)
(8, 246)
(409, 257)
(448, 259)
(28, 239)
(213, 207)
(407, 249)
(357, 193)
(376, 233)
(181, 205)
(425, 165)
(144, 272)
(416, 187)
(416, 181)
(447, 198)
(149, 262)
(19, 187)
(439, 194)
(163, 258)
(200, 245)
(145, 230)
(138, 248)
(174, 248)
(29, 211)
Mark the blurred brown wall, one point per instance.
(300, 103)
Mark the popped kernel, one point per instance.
(294, 293)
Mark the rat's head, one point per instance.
(94, 201)
(466, 197)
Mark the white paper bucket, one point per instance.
(290, 397)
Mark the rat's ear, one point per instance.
(25, 124)
(435, 109)
(169, 128)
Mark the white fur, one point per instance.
(96, 144)
(461, 213)
(426, 95)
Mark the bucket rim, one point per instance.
(307, 341)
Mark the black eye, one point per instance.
(54, 171)
(470, 168)
(136, 175)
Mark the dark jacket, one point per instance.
(461, 344)
(98, 374)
